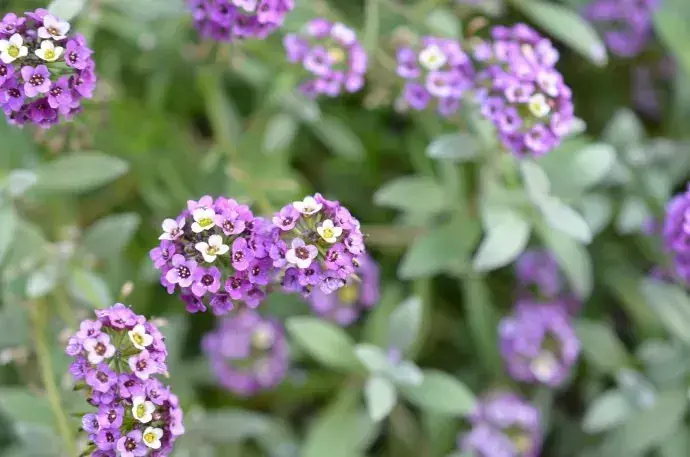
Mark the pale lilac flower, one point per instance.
(99, 348)
(300, 253)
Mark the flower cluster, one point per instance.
(345, 306)
(438, 70)
(44, 72)
(541, 281)
(216, 253)
(538, 343)
(503, 425)
(224, 20)
(521, 92)
(316, 243)
(116, 358)
(627, 24)
(331, 54)
(247, 353)
(676, 234)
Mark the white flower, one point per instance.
(13, 49)
(152, 437)
(172, 230)
(548, 81)
(142, 410)
(300, 253)
(343, 34)
(213, 248)
(204, 219)
(308, 206)
(432, 58)
(48, 51)
(329, 232)
(538, 105)
(53, 28)
(544, 366)
(139, 338)
(248, 5)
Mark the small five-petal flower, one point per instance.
(308, 206)
(172, 229)
(152, 437)
(13, 49)
(48, 51)
(300, 253)
(53, 28)
(213, 248)
(139, 338)
(142, 409)
(204, 219)
(329, 232)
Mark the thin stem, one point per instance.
(45, 365)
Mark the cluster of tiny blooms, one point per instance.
(437, 70)
(116, 359)
(503, 425)
(316, 243)
(44, 71)
(520, 90)
(647, 85)
(676, 234)
(538, 343)
(224, 20)
(247, 353)
(540, 280)
(332, 56)
(345, 306)
(215, 253)
(627, 24)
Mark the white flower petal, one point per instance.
(4, 45)
(17, 40)
(215, 240)
(223, 248)
(201, 246)
(169, 225)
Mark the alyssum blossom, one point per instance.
(215, 253)
(332, 56)
(44, 71)
(676, 234)
(225, 20)
(247, 353)
(436, 70)
(503, 425)
(116, 359)
(316, 243)
(521, 92)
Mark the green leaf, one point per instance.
(592, 164)
(227, 425)
(441, 393)
(597, 210)
(672, 306)
(14, 326)
(624, 130)
(373, 357)
(573, 259)
(19, 181)
(454, 147)
(482, 319)
(444, 23)
(339, 137)
(671, 24)
(109, 236)
(66, 10)
(648, 428)
(633, 215)
(601, 346)
(90, 288)
(565, 219)
(326, 342)
(536, 181)
(405, 323)
(280, 131)
(566, 25)
(8, 228)
(25, 407)
(608, 410)
(381, 397)
(503, 243)
(419, 194)
(79, 172)
(42, 281)
(678, 445)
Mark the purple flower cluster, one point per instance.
(503, 425)
(627, 24)
(676, 234)
(540, 280)
(225, 20)
(216, 253)
(437, 70)
(331, 54)
(538, 343)
(247, 353)
(116, 358)
(316, 243)
(521, 92)
(44, 72)
(345, 306)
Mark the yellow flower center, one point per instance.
(212, 250)
(337, 55)
(13, 51)
(149, 437)
(50, 54)
(328, 233)
(138, 338)
(205, 221)
(522, 443)
(53, 31)
(348, 294)
(141, 410)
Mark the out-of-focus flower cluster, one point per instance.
(44, 71)
(676, 234)
(437, 70)
(225, 20)
(503, 425)
(627, 24)
(332, 56)
(218, 253)
(520, 90)
(116, 360)
(247, 353)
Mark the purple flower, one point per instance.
(131, 445)
(237, 286)
(538, 343)
(627, 25)
(221, 304)
(162, 255)
(142, 365)
(334, 61)
(12, 96)
(206, 280)
(130, 386)
(110, 416)
(10, 24)
(286, 218)
(106, 440)
(60, 96)
(90, 423)
(503, 425)
(98, 348)
(77, 55)
(300, 253)
(182, 271)
(241, 254)
(101, 377)
(676, 234)
(247, 353)
(36, 80)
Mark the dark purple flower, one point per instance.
(77, 55)
(110, 416)
(101, 377)
(142, 365)
(130, 386)
(162, 255)
(12, 96)
(182, 271)
(60, 95)
(106, 440)
(242, 255)
(286, 218)
(131, 445)
(36, 80)
(206, 280)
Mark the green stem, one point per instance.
(38, 321)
